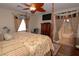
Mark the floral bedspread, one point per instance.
(26, 44)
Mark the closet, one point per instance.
(46, 28)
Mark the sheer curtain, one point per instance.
(73, 20)
(27, 23)
(19, 22)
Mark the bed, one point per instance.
(26, 44)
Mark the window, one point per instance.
(22, 26)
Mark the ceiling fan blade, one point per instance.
(40, 10)
(26, 4)
(19, 6)
(22, 6)
(26, 9)
(37, 5)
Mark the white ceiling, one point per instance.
(47, 6)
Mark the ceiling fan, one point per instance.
(33, 7)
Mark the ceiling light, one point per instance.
(32, 8)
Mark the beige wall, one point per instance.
(6, 19)
(33, 23)
(36, 20)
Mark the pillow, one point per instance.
(7, 36)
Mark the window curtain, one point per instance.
(27, 24)
(58, 25)
(73, 20)
(74, 23)
(17, 23)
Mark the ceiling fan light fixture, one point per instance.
(32, 8)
